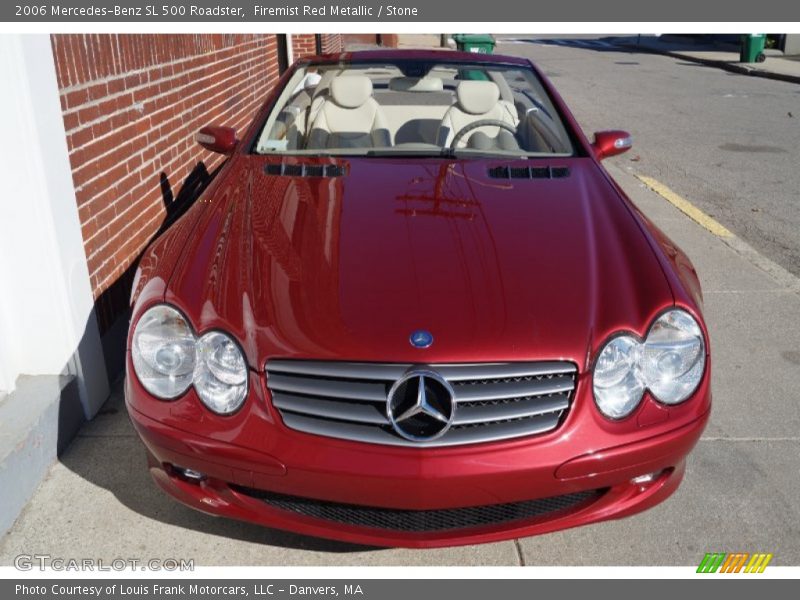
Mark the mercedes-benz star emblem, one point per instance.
(421, 338)
(421, 405)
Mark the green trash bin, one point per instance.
(482, 43)
(753, 48)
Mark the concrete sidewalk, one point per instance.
(431, 41)
(740, 491)
(403, 41)
(723, 56)
(720, 55)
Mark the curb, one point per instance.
(35, 426)
(783, 277)
(741, 69)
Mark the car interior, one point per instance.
(379, 107)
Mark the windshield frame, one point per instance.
(423, 65)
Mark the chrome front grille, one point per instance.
(493, 401)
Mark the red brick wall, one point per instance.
(131, 105)
(332, 42)
(305, 44)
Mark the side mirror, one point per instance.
(611, 143)
(217, 139)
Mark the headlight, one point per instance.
(669, 363)
(673, 357)
(220, 374)
(618, 384)
(168, 358)
(163, 352)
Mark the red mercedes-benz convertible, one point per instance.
(413, 309)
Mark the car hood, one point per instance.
(348, 266)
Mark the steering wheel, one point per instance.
(481, 123)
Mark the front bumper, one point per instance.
(258, 470)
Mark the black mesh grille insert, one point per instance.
(314, 171)
(334, 171)
(293, 170)
(520, 173)
(499, 172)
(304, 170)
(273, 169)
(505, 172)
(422, 520)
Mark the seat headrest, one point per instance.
(351, 91)
(416, 84)
(477, 97)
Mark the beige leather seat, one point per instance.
(350, 117)
(414, 108)
(477, 101)
(416, 84)
(318, 98)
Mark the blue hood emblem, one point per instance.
(421, 338)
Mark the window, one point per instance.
(414, 108)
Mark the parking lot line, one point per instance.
(786, 279)
(686, 207)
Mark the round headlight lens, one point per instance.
(618, 384)
(220, 373)
(669, 363)
(673, 357)
(163, 352)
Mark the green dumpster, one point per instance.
(482, 43)
(753, 48)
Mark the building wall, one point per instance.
(791, 44)
(331, 42)
(47, 321)
(131, 106)
(305, 44)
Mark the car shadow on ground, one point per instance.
(108, 453)
(632, 44)
(602, 44)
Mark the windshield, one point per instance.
(414, 108)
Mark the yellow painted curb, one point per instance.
(686, 207)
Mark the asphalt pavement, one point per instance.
(741, 487)
(729, 142)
